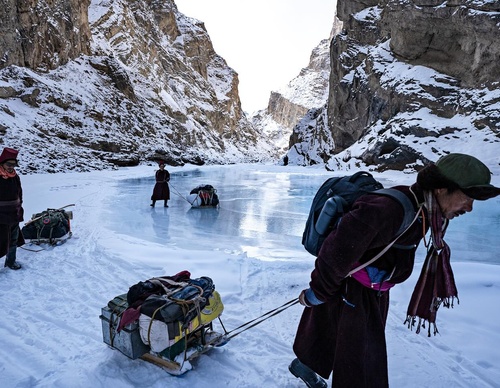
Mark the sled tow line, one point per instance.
(179, 194)
(262, 318)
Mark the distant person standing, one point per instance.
(11, 210)
(161, 190)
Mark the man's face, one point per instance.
(453, 204)
(9, 165)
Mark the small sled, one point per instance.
(168, 321)
(51, 226)
(175, 323)
(203, 196)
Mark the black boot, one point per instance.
(306, 374)
(15, 266)
(153, 203)
(166, 204)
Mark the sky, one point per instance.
(267, 42)
(51, 334)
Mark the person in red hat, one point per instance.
(11, 210)
(161, 191)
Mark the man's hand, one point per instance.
(303, 300)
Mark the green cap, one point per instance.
(469, 173)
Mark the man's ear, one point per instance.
(439, 192)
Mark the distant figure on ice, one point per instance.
(11, 210)
(161, 190)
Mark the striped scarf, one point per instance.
(436, 284)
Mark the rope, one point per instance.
(113, 324)
(32, 250)
(179, 194)
(262, 318)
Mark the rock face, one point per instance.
(286, 107)
(404, 73)
(43, 35)
(116, 84)
(460, 39)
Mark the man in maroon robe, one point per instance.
(161, 191)
(11, 210)
(342, 328)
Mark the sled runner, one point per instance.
(203, 196)
(51, 226)
(167, 321)
(197, 343)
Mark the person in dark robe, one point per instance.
(11, 209)
(342, 328)
(161, 191)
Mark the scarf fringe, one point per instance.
(411, 322)
(446, 302)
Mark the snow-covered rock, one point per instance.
(145, 83)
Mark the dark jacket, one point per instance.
(161, 191)
(11, 211)
(11, 200)
(346, 333)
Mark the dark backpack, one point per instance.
(49, 225)
(206, 195)
(336, 196)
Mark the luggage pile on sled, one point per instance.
(203, 196)
(50, 226)
(165, 320)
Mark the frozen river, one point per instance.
(262, 212)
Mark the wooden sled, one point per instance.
(50, 241)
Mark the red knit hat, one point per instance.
(9, 154)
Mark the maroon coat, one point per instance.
(11, 211)
(349, 338)
(161, 191)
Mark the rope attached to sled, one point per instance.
(179, 194)
(258, 320)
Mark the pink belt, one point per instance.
(362, 277)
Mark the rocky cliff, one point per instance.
(43, 35)
(405, 74)
(115, 83)
(288, 105)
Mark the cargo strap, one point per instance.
(113, 324)
(178, 286)
(185, 310)
(168, 291)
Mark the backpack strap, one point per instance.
(409, 218)
(405, 202)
